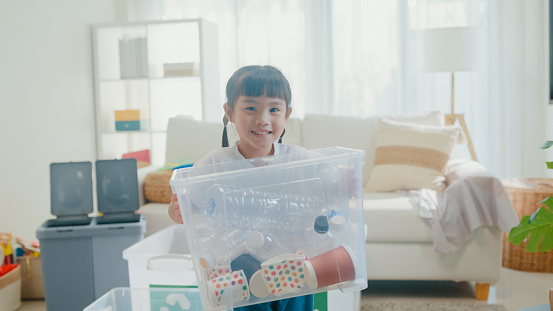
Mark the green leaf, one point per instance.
(538, 229)
(547, 144)
(549, 165)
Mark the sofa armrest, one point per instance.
(142, 172)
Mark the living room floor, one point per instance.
(515, 290)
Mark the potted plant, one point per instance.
(538, 227)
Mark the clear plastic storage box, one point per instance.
(276, 227)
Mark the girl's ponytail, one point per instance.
(280, 139)
(225, 136)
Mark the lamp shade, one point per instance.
(451, 49)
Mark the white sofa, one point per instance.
(401, 249)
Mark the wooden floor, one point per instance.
(516, 290)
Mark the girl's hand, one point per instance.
(174, 210)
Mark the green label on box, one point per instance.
(320, 301)
(174, 301)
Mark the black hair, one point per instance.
(255, 81)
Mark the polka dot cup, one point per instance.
(217, 272)
(228, 288)
(284, 273)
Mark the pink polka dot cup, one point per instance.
(284, 273)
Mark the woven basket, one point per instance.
(525, 193)
(157, 187)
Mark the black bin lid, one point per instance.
(117, 186)
(71, 188)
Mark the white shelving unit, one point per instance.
(131, 72)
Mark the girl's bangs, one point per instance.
(264, 84)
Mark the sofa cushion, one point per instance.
(191, 139)
(432, 117)
(390, 217)
(321, 131)
(411, 156)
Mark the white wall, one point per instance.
(46, 100)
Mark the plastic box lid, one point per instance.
(71, 189)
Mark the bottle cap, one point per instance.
(208, 260)
(321, 224)
(337, 223)
(255, 240)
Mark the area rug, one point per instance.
(405, 305)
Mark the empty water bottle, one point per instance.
(222, 249)
(339, 231)
(264, 246)
(276, 212)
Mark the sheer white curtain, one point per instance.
(293, 35)
(364, 58)
(379, 70)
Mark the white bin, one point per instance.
(142, 299)
(161, 260)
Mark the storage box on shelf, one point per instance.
(276, 227)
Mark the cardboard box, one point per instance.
(32, 286)
(127, 115)
(132, 125)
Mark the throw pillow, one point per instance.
(432, 117)
(411, 156)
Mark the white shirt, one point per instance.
(229, 154)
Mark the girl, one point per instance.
(259, 104)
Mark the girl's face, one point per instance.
(259, 122)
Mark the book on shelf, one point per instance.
(133, 56)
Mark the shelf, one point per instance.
(130, 63)
(133, 132)
(152, 78)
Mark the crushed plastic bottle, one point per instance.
(221, 250)
(276, 212)
(263, 246)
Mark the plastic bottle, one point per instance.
(316, 239)
(232, 209)
(330, 186)
(263, 246)
(221, 250)
(339, 231)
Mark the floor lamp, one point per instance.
(452, 50)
